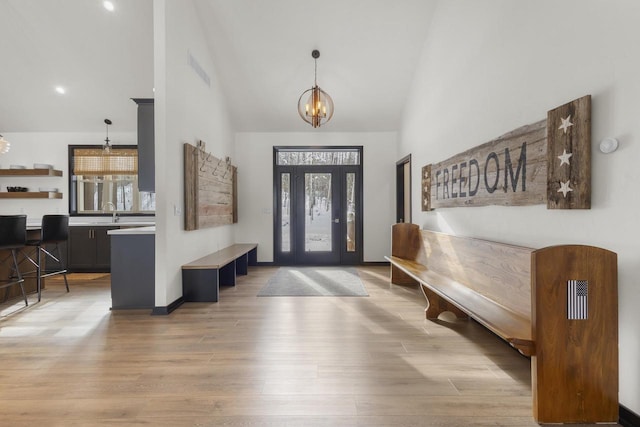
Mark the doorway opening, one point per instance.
(317, 205)
(403, 189)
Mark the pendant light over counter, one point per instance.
(106, 148)
(315, 106)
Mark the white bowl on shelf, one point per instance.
(17, 167)
(47, 190)
(42, 166)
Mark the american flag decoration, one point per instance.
(577, 299)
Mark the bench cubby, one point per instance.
(201, 279)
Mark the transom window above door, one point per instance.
(314, 156)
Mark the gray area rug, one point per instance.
(314, 281)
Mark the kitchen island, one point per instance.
(133, 268)
(30, 283)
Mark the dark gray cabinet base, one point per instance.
(89, 249)
(132, 271)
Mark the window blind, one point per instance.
(93, 162)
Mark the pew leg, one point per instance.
(399, 277)
(438, 305)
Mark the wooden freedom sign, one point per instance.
(547, 162)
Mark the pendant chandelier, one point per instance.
(315, 106)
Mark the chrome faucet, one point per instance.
(113, 208)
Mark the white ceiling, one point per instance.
(262, 51)
(102, 60)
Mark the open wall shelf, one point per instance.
(30, 195)
(30, 172)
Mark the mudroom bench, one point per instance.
(201, 279)
(557, 305)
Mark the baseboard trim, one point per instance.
(629, 418)
(364, 263)
(164, 311)
(265, 264)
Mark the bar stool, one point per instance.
(54, 230)
(13, 237)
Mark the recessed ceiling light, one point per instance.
(108, 5)
(60, 90)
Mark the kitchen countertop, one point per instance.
(132, 231)
(101, 222)
(109, 224)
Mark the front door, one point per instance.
(318, 206)
(318, 215)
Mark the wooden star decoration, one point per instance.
(564, 188)
(565, 158)
(566, 123)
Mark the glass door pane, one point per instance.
(351, 214)
(285, 212)
(318, 218)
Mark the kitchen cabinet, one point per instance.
(89, 249)
(146, 141)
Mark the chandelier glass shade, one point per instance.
(315, 106)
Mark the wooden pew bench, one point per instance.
(528, 298)
(444, 294)
(201, 279)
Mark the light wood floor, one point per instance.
(249, 361)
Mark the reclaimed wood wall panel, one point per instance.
(569, 155)
(190, 187)
(426, 188)
(545, 162)
(209, 189)
(510, 170)
(235, 194)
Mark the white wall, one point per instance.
(50, 148)
(254, 157)
(489, 67)
(186, 110)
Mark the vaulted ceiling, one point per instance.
(262, 51)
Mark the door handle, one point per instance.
(337, 220)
